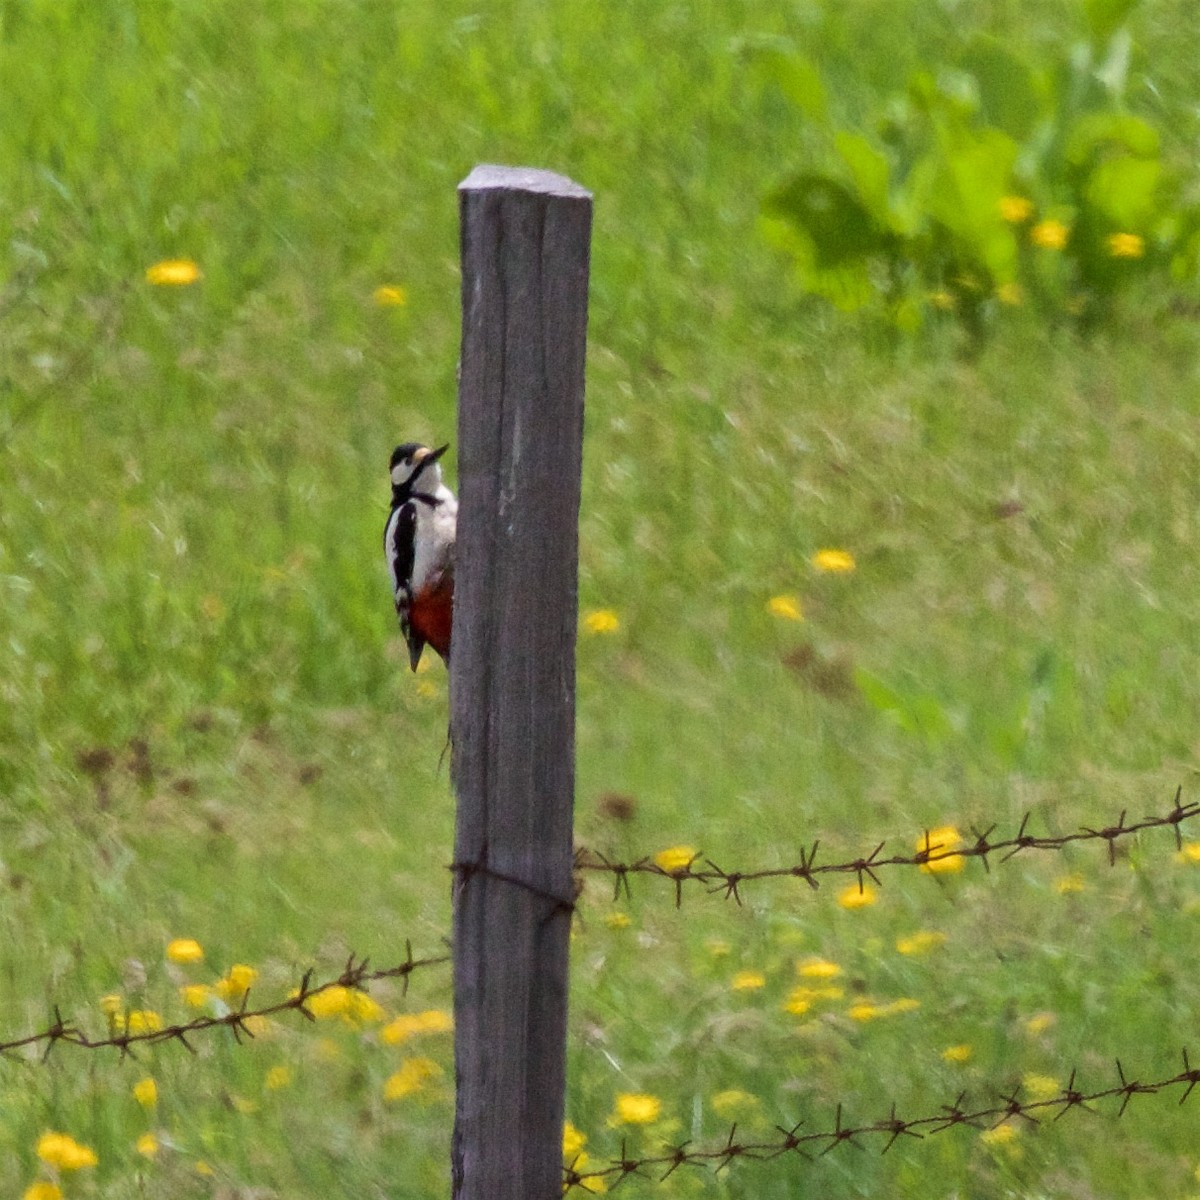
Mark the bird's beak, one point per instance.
(433, 455)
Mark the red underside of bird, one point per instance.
(431, 614)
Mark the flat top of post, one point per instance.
(522, 179)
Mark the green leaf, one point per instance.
(869, 169)
(1105, 17)
(1008, 88)
(839, 227)
(796, 77)
(1106, 132)
(972, 175)
(1125, 190)
(848, 286)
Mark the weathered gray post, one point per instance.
(525, 244)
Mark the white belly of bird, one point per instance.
(433, 552)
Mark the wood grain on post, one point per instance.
(525, 246)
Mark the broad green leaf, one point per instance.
(796, 78)
(848, 286)
(840, 228)
(1008, 89)
(974, 172)
(1125, 190)
(869, 170)
(1105, 17)
(1106, 131)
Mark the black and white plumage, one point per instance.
(418, 542)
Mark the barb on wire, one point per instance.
(356, 974)
(1006, 1106)
(729, 884)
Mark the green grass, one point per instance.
(193, 488)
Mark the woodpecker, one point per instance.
(418, 542)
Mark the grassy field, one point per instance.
(207, 725)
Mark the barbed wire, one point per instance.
(729, 883)
(891, 1128)
(356, 974)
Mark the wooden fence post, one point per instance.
(525, 245)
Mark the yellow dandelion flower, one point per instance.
(675, 858)
(786, 608)
(921, 942)
(942, 299)
(390, 295)
(957, 1054)
(196, 995)
(112, 1005)
(436, 1020)
(817, 968)
(834, 562)
(1042, 1087)
(1011, 294)
(1126, 245)
(748, 981)
(1039, 1023)
(1000, 1136)
(601, 620)
(365, 1008)
(279, 1076)
(903, 1005)
(145, 1092)
(64, 1152)
(202, 1168)
(1050, 234)
(855, 896)
(146, 1145)
(864, 1010)
(237, 982)
(185, 950)
(43, 1189)
(173, 272)
(1067, 884)
(801, 998)
(1190, 853)
(143, 1020)
(413, 1075)
(574, 1141)
(407, 1025)
(332, 1002)
(734, 1104)
(618, 920)
(798, 1002)
(635, 1108)
(938, 842)
(1015, 209)
(400, 1029)
(596, 1184)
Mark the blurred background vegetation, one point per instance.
(817, 322)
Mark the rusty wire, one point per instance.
(703, 870)
(356, 974)
(1006, 1106)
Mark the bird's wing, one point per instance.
(399, 547)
